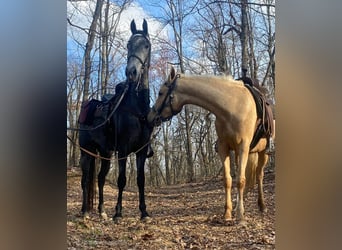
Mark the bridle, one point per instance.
(146, 63)
(167, 102)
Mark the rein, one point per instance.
(109, 159)
(87, 151)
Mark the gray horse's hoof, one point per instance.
(117, 219)
(146, 219)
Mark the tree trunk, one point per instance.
(177, 19)
(104, 52)
(243, 35)
(253, 64)
(270, 72)
(89, 47)
(188, 146)
(167, 156)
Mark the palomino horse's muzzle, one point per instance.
(154, 118)
(157, 121)
(158, 118)
(166, 103)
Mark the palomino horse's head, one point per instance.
(167, 104)
(139, 53)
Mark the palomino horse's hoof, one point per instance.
(228, 222)
(263, 210)
(243, 223)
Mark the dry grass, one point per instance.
(184, 216)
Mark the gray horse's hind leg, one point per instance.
(105, 165)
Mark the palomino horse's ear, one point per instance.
(145, 27)
(172, 75)
(133, 27)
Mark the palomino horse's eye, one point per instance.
(160, 94)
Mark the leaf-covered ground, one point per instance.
(187, 216)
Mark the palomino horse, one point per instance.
(126, 130)
(236, 121)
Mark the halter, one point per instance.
(167, 102)
(143, 63)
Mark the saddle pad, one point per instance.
(87, 111)
(265, 115)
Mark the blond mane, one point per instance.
(224, 78)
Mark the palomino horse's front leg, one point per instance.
(263, 158)
(140, 161)
(241, 180)
(223, 152)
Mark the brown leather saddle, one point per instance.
(95, 109)
(265, 126)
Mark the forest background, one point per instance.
(196, 37)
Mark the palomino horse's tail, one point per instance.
(253, 161)
(252, 164)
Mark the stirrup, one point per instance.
(150, 152)
(270, 147)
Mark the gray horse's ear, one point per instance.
(145, 29)
(133, 27)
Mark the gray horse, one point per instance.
(125, 128)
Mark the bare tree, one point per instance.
(104, 50)
(89, 47)
(177, 12)
(215, 37)
(211, 28)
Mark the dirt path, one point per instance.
(183, 217)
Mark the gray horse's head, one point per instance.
(139, 52)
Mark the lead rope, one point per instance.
(109, 159)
